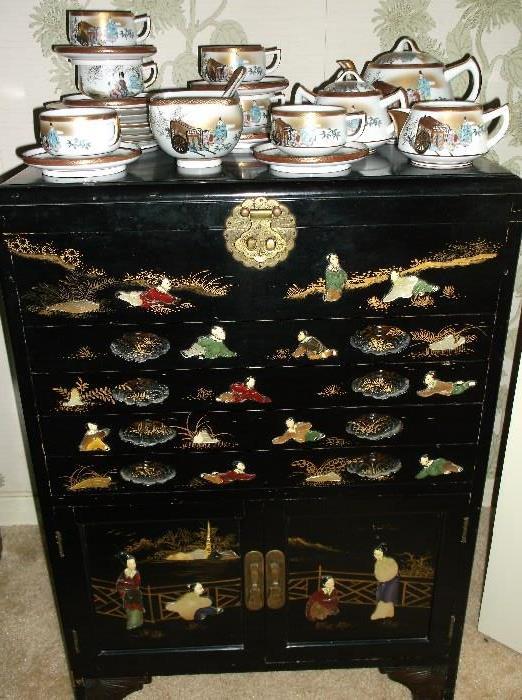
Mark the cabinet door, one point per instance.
(366, 578)
(183, 608)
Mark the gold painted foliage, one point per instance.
(203, 283)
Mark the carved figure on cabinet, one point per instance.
(312, 348)
(238, 473)
(324, 602)
(436, 467)
(386, 571)
(94, 439)
(194, 605)
(150, 298)
(299, 432)
(408, 287)
(208, 347)
(437, 386)
(239, 392)
(128, 586)
(334, 278)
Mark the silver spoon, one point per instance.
(234, 81)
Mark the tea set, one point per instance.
(237, 106)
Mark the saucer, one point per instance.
(337, 162)
(441, 162)
(270, 83)
(88, 54)
(247, 141)
(138, 102)
(85, 167)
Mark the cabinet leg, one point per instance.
(425, 683)
(110, 688)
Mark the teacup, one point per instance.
(115, 79)
(79, 131)
(106, 27)
(313, 130)
(256, 106)
(217, 63)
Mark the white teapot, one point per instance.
(448, 134)
(350, 91)
(422, 75)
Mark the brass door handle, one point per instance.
(275, 579)
(254, 577)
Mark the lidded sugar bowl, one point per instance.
(422, 75)
(350, 91)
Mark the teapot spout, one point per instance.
(399, 117)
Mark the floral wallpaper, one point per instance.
(312, 36)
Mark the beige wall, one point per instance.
(312, 34)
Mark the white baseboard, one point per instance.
(17, 509)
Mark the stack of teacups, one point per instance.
(258, 90)
(111, 66)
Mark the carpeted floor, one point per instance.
(32, 665)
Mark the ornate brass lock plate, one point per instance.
(260, 232)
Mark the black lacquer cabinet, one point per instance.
(259, 411)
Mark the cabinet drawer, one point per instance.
(375, 467)
(250, 430)
(277, 387)
(334, 342)
(324, 271)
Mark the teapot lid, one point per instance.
(348, 83)
(405, 52)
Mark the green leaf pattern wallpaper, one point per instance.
(312, 35)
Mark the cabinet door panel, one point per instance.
(186, 599)
(364, 576)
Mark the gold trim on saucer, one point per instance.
(266, 156)
(38, 160)
(166, 101)
(273, 82)
(142, 49)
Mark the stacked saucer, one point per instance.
(131, 111)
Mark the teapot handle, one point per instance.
(399, 96)
(346, 70)
(304, 96)
(466, 63)
(503, 113)
(404, 43)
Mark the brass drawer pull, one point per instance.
(275, 579)
(254, 574)
(260, 232)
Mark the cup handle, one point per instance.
(276, 60)
(149, 80)
(357, 115)
(304, 96)
(278, 98)
(117, 132)
(469, 64)
(503, 113)
(145, 30)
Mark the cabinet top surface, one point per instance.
(156, 174)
